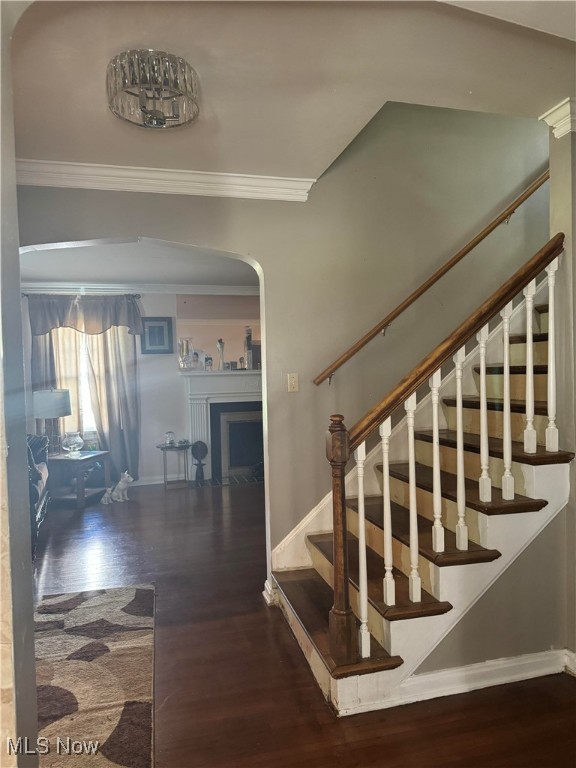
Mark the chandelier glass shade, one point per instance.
(152, 88)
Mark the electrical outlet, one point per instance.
(292, 382)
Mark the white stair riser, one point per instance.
(518, 353)
(399, 493)
(542, 321)
(375, 620)
(400, 552)
(471, 464)
(495, 386)
(471, 421)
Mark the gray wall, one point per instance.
(408, 192)
(521, 613)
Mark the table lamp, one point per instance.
(51, 405)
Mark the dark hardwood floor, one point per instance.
(232, 689)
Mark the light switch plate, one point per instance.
(293, 385)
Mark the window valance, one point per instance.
(88, 314)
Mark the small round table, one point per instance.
(178, 448)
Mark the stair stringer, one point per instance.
(415, 639)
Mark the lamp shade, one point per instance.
(51, 403)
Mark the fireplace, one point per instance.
(226, 392)
(236, 440)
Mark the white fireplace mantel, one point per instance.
(204, 388)
(232, 384)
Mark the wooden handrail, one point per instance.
(506, 213)
(452, 343)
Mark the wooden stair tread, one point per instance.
(520, 338)
(498, 505)
(497, 369)
(401, 531)
(496, 448)
(311, 600)
(542, 308)
(404, 608)
(497, 404)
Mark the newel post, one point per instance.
(343, 632)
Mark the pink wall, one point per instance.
(217, 307)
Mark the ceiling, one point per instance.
(555, 18)
(285, 87)
(137, 265)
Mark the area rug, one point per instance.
(94, 674)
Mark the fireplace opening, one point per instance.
(237, 443)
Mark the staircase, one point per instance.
(436, 511)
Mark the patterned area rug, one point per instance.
(94, 674)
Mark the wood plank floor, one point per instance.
(232, 689)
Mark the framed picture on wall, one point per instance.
(157, 337)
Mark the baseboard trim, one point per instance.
(270, 594)
(570, 662)
(447, 682)
(154, 480)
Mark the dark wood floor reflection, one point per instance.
(232, 689)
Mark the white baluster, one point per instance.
(507, 477)
(461, 527)
(529, 431)
(484, 482)
(389, 584)
(364, 637)
(414, 581)
(552, 429)
(437, 528)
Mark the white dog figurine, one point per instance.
(107, 498)
(120, 493)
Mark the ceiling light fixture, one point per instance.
(152, 88)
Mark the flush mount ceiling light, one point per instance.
(152, 88)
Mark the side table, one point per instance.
(175, 448)
(62, 466)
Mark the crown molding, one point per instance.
(107, 288)
(164, 181)
(188, 321)
(561, 118)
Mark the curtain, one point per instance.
(88, 314)
(113, 380)
(43, 363)
(109, 351)
(67, 348)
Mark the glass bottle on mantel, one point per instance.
(248, 347)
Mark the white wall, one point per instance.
(162, 394)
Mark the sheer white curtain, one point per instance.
(103, 361)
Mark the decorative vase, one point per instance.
(220, 348)
(169, 438)
(72, 443)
